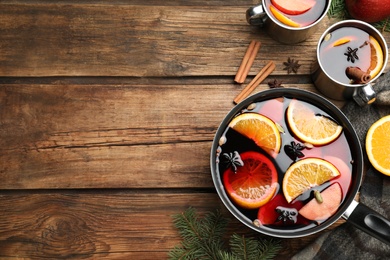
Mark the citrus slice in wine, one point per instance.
(282, 18)
(253, 184)
(306, 174)
(341, 41)
(310, 127)
(262, 130)
(378, 145)
(376, 57)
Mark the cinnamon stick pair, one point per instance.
(247, 61)
(264, 72)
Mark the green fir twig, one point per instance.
(337, 10)
(203, 239)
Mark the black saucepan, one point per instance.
(351, 210)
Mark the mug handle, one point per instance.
(256, 15)
(364, 95)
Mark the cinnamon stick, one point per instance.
(357, 75)
(247, 61)
(264, 72)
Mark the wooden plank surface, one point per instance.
(109, 136)
(112, 224)
(132, 40)
(107, 115)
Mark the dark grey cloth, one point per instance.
(347, 241)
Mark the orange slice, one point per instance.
(309, 127)
(376, 57)
(378, 145)
(306, 174)
(254, 183)
(260, 129)
(341, 42)
(282, 18)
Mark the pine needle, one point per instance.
(337, 9)
(203, 239)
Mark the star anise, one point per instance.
(286, 215)
(275, 84)
(294, 150)
(291, 65)
(234, 160)
(351, 54)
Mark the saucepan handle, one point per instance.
(369, 221)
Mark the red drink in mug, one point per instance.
(298, 13)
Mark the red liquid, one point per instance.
(308, 17)
(337, 152)
(333, 59)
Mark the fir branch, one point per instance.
(253, 249)
(242, 248)
(203, 239)
(337, 9)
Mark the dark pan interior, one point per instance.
(329, 108)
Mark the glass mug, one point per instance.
(351, 54)
(298, 27)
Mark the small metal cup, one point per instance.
(363, 94)
(261, 16)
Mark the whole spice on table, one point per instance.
(247, 61)
(275, 84)
(264, 72)
(291, 65)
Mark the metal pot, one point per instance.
(351, 210)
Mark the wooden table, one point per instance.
(107, 115)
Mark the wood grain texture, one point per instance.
(107, 114)
(99, 136)
(111, 224)
(70, 39)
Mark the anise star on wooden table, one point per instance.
(291, 65)
(275, 84)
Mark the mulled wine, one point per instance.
(350, 55)
(296, 13)
(278, 213)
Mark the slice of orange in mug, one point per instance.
(378, 145)
(306, 174)
(254, 183)
(262, 130)
(282, 18)
(376, 57)
(341, 41)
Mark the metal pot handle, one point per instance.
(369, 221)
(256, 15)
(364, 95)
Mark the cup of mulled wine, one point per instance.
(286, 21)
(351, 55)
